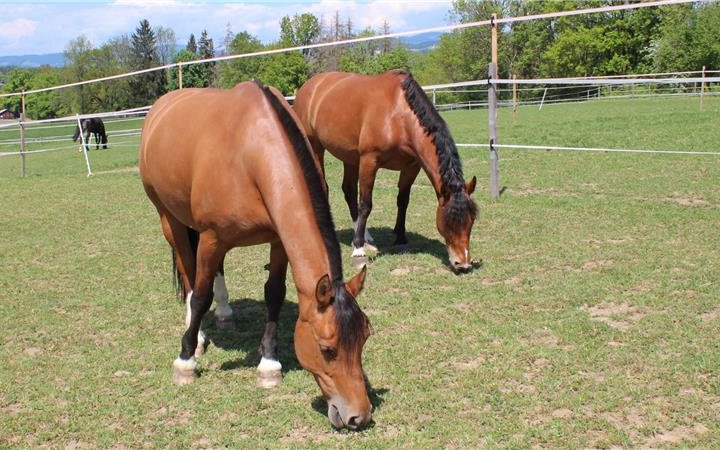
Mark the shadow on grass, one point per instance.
(417, 244)
(245, 332)
(385, 238)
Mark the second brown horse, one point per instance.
(387, 121)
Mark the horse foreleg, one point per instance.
(209, 256)
(223, 311)
(367, 172)
(407, 178)
(86, 135)
(269, 369)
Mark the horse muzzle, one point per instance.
(341, 418)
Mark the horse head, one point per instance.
(329, 337)
(455, 216)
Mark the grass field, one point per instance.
(592, 322)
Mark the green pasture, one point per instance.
(592, 321)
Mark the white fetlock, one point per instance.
(200, 349)
(368, 237)
(223, 311)
(358, 252)
(269, 373)
(184, 371)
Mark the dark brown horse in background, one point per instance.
(95, 126)
(387, 121)
(242, 173)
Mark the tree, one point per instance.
(77, 63)
(206, 50)
(145, 87)
(299, 30)
(192, 75)
(191, 45)
(18, 80)
(166, 45)
(687, 38)
(236, 70)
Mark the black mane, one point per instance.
(449, 165)
(351, 321)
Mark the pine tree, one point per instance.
(206, 50)
(145, 87)
(191, 45)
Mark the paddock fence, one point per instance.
(46, 136)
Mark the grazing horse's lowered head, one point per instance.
(386, 121)
(259, 184)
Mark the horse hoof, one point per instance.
(183, 372)
(269, 379)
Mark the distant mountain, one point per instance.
(50, 59)
(422, 42)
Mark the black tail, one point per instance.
(76, 135)
(180, 290)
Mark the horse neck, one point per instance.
(299, 232)
(427, 154)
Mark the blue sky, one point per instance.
(37, 27)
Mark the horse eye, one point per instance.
(328, 353)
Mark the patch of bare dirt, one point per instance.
(597, 264)
(471, 364)
(121, 170)
(676, 435)
(400, 271)
(711, 315)
(32, 351)
(618, 316)
(513, 386)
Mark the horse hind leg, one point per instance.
(270, 369)
(209, 256)
(366, 176)
(407, 177)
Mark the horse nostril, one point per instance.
(354, 422)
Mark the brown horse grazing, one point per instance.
(241, 173)
(386, 121)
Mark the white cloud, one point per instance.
(17, 29)
(48, 27)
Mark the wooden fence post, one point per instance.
(492, 116)
(179, 76)
(515, 100)
(702, 89)
(22, 134)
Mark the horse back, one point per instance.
(349, 113)
(203, 154)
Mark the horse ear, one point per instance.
(470, 186)
(323, 291)
(356, 283)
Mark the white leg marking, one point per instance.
(368, 237)
(358, 251)
(185, 364)
(223, 311)
(187, 309)
(267, 365)
(188, 313)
